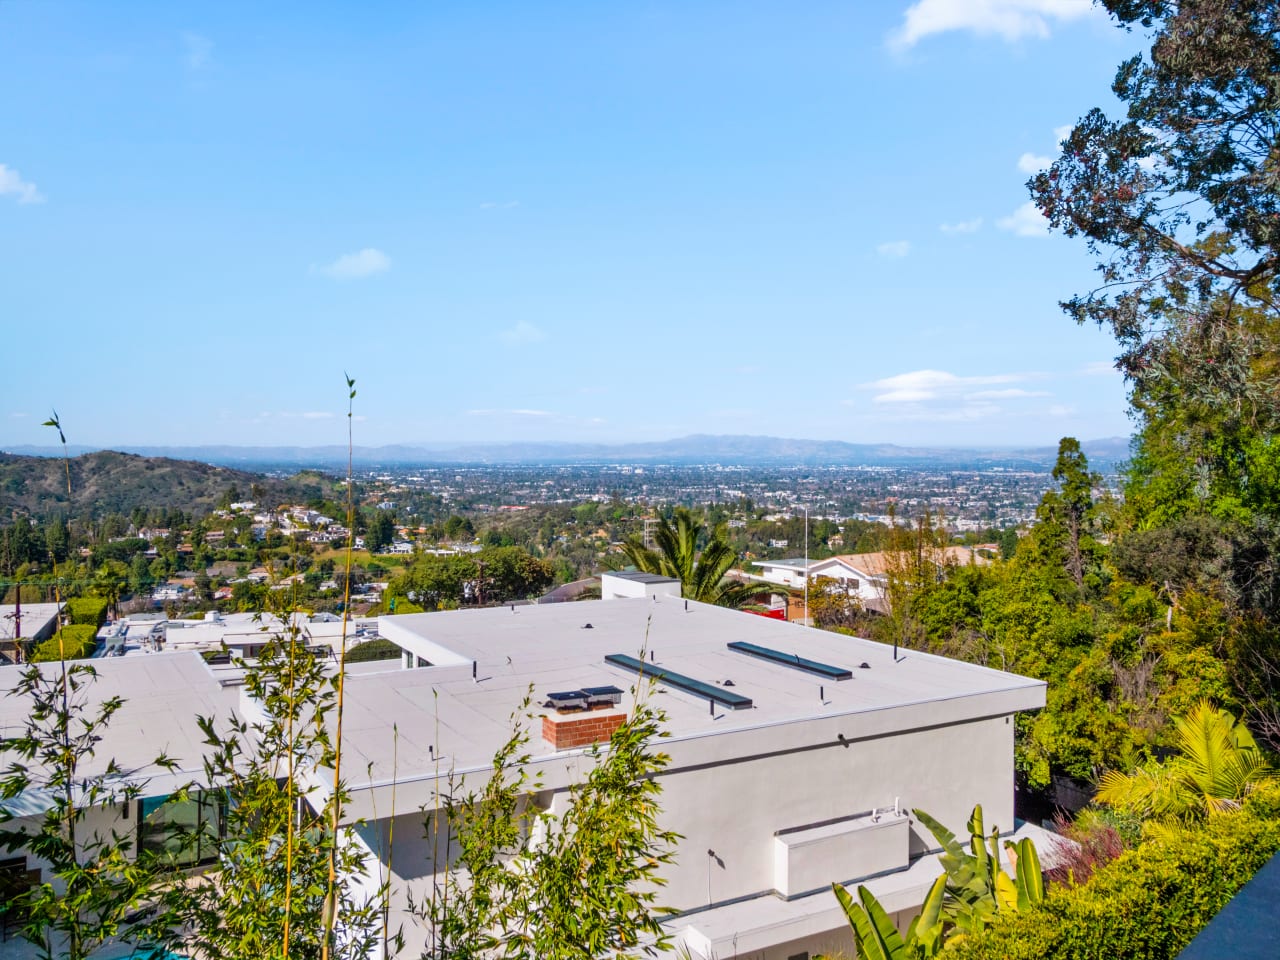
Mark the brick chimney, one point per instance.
(568, 731)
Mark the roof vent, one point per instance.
(864, 665)
(587, 626)
(567, 700)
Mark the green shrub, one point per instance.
(86, 610)
(76, 642)
(403, 605)
(378, 649)
(1147, 904)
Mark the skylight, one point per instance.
(678, 681)
(793, 660)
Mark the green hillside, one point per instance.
(108, 482)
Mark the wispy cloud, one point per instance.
(317, 415)
(522, 333)
(1026, 221)
(12, 185)
(1061, 133)
(356, 266)
(1008, 19)
(942, 397)
(894, 248)
(918, 385)
(496, 205)
(1009, 393)
(18, 416)
(1033, 163)
(964, 226)
(199, 50)
(517, 412)
(1099, 368)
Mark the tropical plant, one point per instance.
(701, 572)
(1150, 902)
(977, 887)
(1218, 763)
(877, 938)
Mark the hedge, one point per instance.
(378, 649)
(1148, 903)
(86, 610)
(78, 642)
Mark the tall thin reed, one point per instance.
(330, 901)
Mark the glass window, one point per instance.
(186, 831)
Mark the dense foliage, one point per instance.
(1147, 904)
(86, 610)
(76, 642)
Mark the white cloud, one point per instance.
(1032, 163)
(317, 415)
(1026, 221)
(12, 184)
(894, 248)
(1061, 133)
(1010, 393)
(943, 397)
(199, 50)
(964, 226)
(1061, 410)
(1008, 19)
(18, 416)
(495, 205)
(1099, 368)
(932, 384)
(518, 412)
(356, 266)
(522, 333)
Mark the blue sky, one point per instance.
(549, 221)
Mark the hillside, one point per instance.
(109, 482)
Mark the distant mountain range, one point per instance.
(700, 448)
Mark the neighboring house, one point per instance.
(789, 573)
(861, 575)
(162, 695)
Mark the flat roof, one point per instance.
(163, 694)
(35, 616)
(445, 718)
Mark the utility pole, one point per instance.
(806, 565)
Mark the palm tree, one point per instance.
(701, 575)
(1218, 764)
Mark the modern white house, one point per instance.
(796, 754)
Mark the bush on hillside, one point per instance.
(86, 610)
(76, 642)
(1148, 903)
